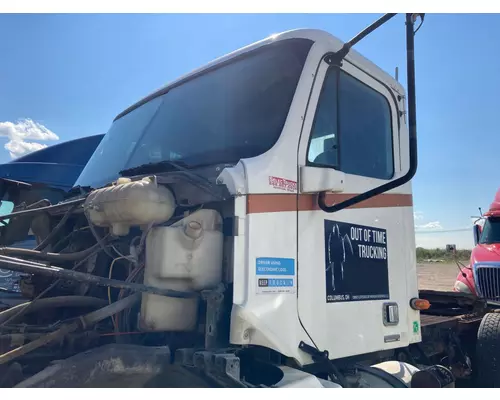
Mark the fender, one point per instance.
(465, 281)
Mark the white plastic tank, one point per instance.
(130, 203)
(185, 256)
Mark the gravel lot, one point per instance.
(438, 276)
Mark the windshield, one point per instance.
(491, 231)
(234, 111)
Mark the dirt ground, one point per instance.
(437, 276)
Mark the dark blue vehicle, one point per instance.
(56, 166)
(45, 174)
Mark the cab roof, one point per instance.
(315, 35)
(494, 210)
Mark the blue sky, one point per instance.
(74, 73)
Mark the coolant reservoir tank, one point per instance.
(128, 203)
(185, 256)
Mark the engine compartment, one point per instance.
(130, 285)
(140, 262)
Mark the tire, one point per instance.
(488, 352)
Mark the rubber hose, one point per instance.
(35, 344)
(41, 209)
(56, 257)
(114, 308)
(43, 292)
(84, 322)
(37, 204)
(31, 267)
(45, 242)
(51, 302)
(100, 241)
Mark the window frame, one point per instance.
(488, 221)
(338, 70)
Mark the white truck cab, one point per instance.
(302, 274)
(266, 203)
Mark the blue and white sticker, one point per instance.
(275, 275)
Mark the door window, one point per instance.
(352, 129)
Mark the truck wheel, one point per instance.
(488, 352)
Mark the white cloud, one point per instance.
(433, 235)
(418, 215)
(26, 129)
(434, 225)
(21, 134)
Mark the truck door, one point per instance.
(353, 265)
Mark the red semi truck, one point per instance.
(482, 276)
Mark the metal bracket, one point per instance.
(323, 357)
(227, 365)
(334, 59)
(222, 366)
(184, 357)
(230, 226)
(214, 299)
(317, 356)
(203, 361)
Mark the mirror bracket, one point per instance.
(476, 230)
(412, 122)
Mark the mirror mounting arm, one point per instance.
(410, 63)
(336, 58)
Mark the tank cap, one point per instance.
(193, 229)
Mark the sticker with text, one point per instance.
(356, 264)
(283, 184)
(275, 275)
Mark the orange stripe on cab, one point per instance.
(270, 203)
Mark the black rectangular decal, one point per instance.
(356, 262)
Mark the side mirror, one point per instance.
(476, 230)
